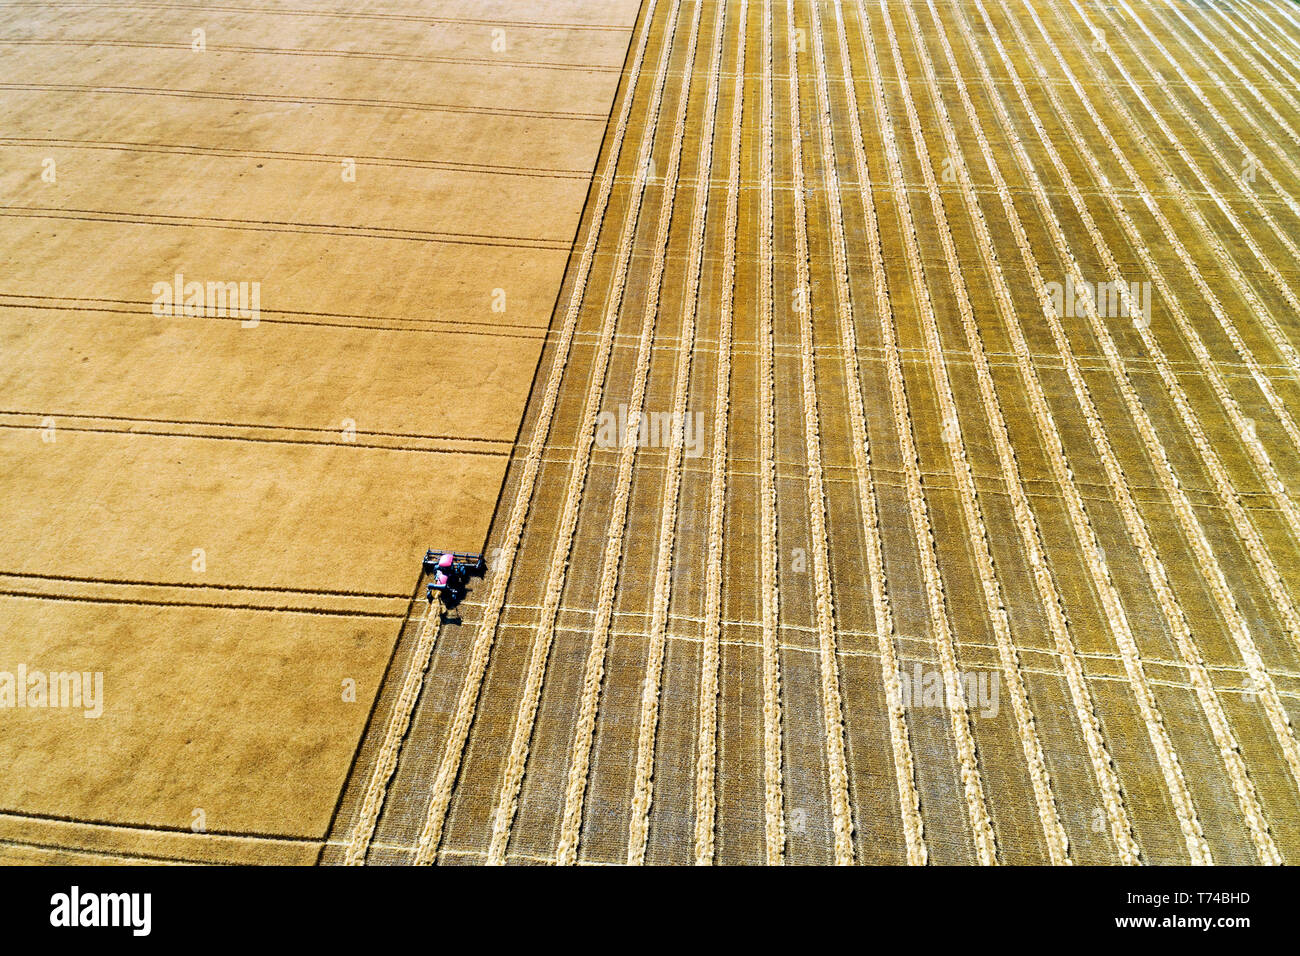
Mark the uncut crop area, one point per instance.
(910, 473)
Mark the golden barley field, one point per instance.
(910, 472)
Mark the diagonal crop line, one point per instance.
(1246, 45)
(1287, 75)
(1179, 626)
(1263, 562)
(1291, 37)
(1280, 153)
(1276, 334)
(1100, 758)
(1171, 769)
(1246, 432)
(1277, 714)
(1173, 612)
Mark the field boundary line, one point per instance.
(502, 63)
(445, 237)
(244, 96)
(296, 156)
(399, 722)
